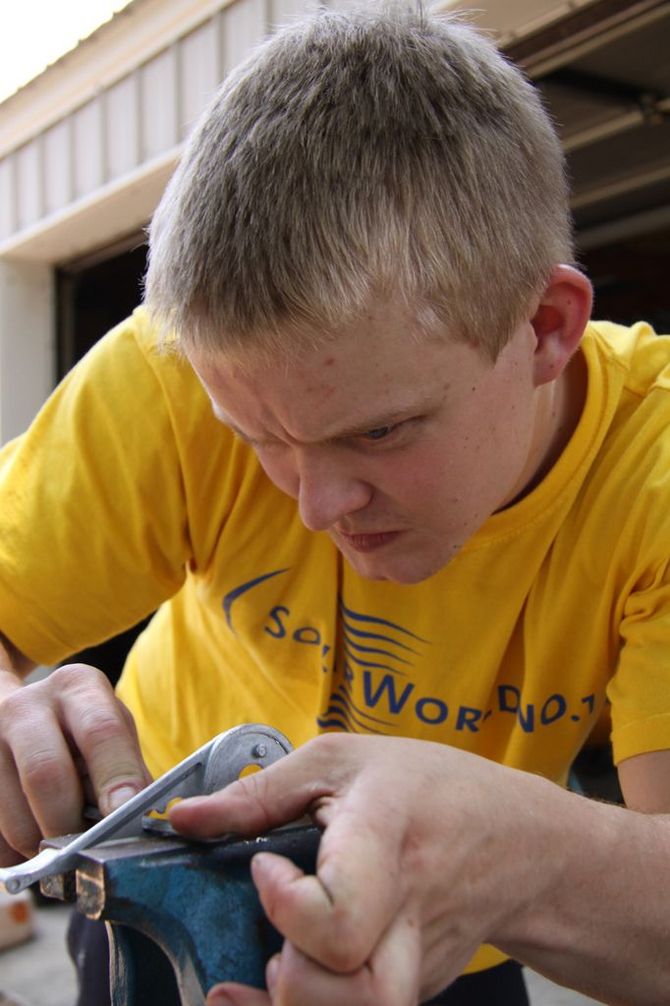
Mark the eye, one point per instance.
(380, 433)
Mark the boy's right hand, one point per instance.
(65, 741)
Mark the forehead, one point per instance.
(375, 368)
(386, 334)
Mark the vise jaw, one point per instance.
(181, 916)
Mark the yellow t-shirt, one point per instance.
(127, 495)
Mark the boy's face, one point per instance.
(399, 447)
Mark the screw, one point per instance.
(259, 751)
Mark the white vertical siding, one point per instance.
(29, 204)
(199, 70)
(27, 326)
(158, 104)
(281, 11)
(57, 167)
(244, 26)
(88, 148)
(7, 199)
(122, 126)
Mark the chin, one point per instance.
(405, 571)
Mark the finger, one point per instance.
(19, 833)
(8, 855)
(337, 916)
(232, 994)
(41, 789)
(90, 795)
(104, 734)
(279, 794)
(20, 830)
(390, 976)
(333, 920)
(306, 780)
(357, 888)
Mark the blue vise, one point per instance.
(180, 916)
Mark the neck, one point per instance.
(560, 405)
(562, 408)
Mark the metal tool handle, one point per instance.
(211, 767)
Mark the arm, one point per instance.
(63, 741)
(428, 852)
(645, 782)
(619, 950)
(79, 561)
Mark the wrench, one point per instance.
(211, 767)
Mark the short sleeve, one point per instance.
(640, 689)
(93, 525)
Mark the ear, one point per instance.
(562, 314)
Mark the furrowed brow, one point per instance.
(390, 418)
(357, 429)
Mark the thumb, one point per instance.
(277, 795)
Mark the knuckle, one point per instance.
(347, 952)
(256, 789)
(253, 785)
(330, 755)
(42, 771)
(78, 676)
(14, 706)
(99, 726)
(324, 745)
(21, 716)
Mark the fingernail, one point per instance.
(261, 862)
(218, 997)
(272, 972)
(117, 797)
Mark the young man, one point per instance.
(382, 478)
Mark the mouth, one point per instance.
(368, 542)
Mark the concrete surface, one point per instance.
(39, 973)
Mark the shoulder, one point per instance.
(627, 490)
(141, 377)
(641, 357)
(135, 343)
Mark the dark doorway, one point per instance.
(96, 293)
(93, 295)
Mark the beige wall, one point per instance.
(26, 343)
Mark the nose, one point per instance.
(328, 489)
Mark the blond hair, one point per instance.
(378, 153)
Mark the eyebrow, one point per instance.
(397, 415)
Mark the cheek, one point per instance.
(420, 478)
(451, 476)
